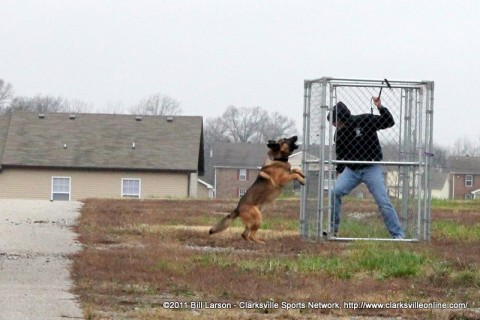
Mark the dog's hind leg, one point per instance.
(253, 236)
(246, 234)
(246, 216)
(257, 222)
(252, 219)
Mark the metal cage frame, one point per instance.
(409, 163)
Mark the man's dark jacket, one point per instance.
(358, 140)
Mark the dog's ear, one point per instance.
(272, 144)
(293, 139)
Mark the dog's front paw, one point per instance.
(299, 172)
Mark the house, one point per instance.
(60, 156)
(464, 177)
(233, 167)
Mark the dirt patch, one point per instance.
(156, 252)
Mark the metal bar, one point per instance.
(407, 151)
(372, 239)
(393, 86)
(387, 163)
(305, 147)
(411, 83)
(422, 177)
(321, 181)
(429, 136)
(405, 83)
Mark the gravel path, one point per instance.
(35, 241)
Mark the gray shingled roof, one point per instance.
(438, 180)
(233, 155)
(103, 141)
(239, 155)
(464, 164)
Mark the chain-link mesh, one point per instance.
(399, 137)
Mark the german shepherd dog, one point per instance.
(275, 173)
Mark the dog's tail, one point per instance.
(225, 222)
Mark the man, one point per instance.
(356, 140)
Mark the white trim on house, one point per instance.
(206, 184)
(210, 188)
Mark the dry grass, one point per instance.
(139, 254)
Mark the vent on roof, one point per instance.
(133, 145)
(64, 146)
(72, 117)
(41, 116)
(169, 119)
(138, 118)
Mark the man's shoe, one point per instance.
(325, 233)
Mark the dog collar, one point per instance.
(284, 159)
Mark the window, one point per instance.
(241, 192)
(242, 174)
(60, 189)
(468, 196)
(468, 180)
(130, 188)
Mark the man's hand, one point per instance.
(377, 101)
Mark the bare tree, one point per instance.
(464, 146)
(440, 157)
(75, 106)
(244, 124)
(248, 125)
(214, 130)
(45, 104)
(158, 105)
(6, 94)
(278, 126)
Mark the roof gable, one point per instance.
(104, 141)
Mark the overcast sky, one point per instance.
(209, 54)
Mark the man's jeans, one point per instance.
(372, 176)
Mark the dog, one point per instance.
(273, 176)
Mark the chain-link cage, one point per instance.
(405, 137)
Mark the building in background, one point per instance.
(60, 156)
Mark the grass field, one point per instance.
(140, 257)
